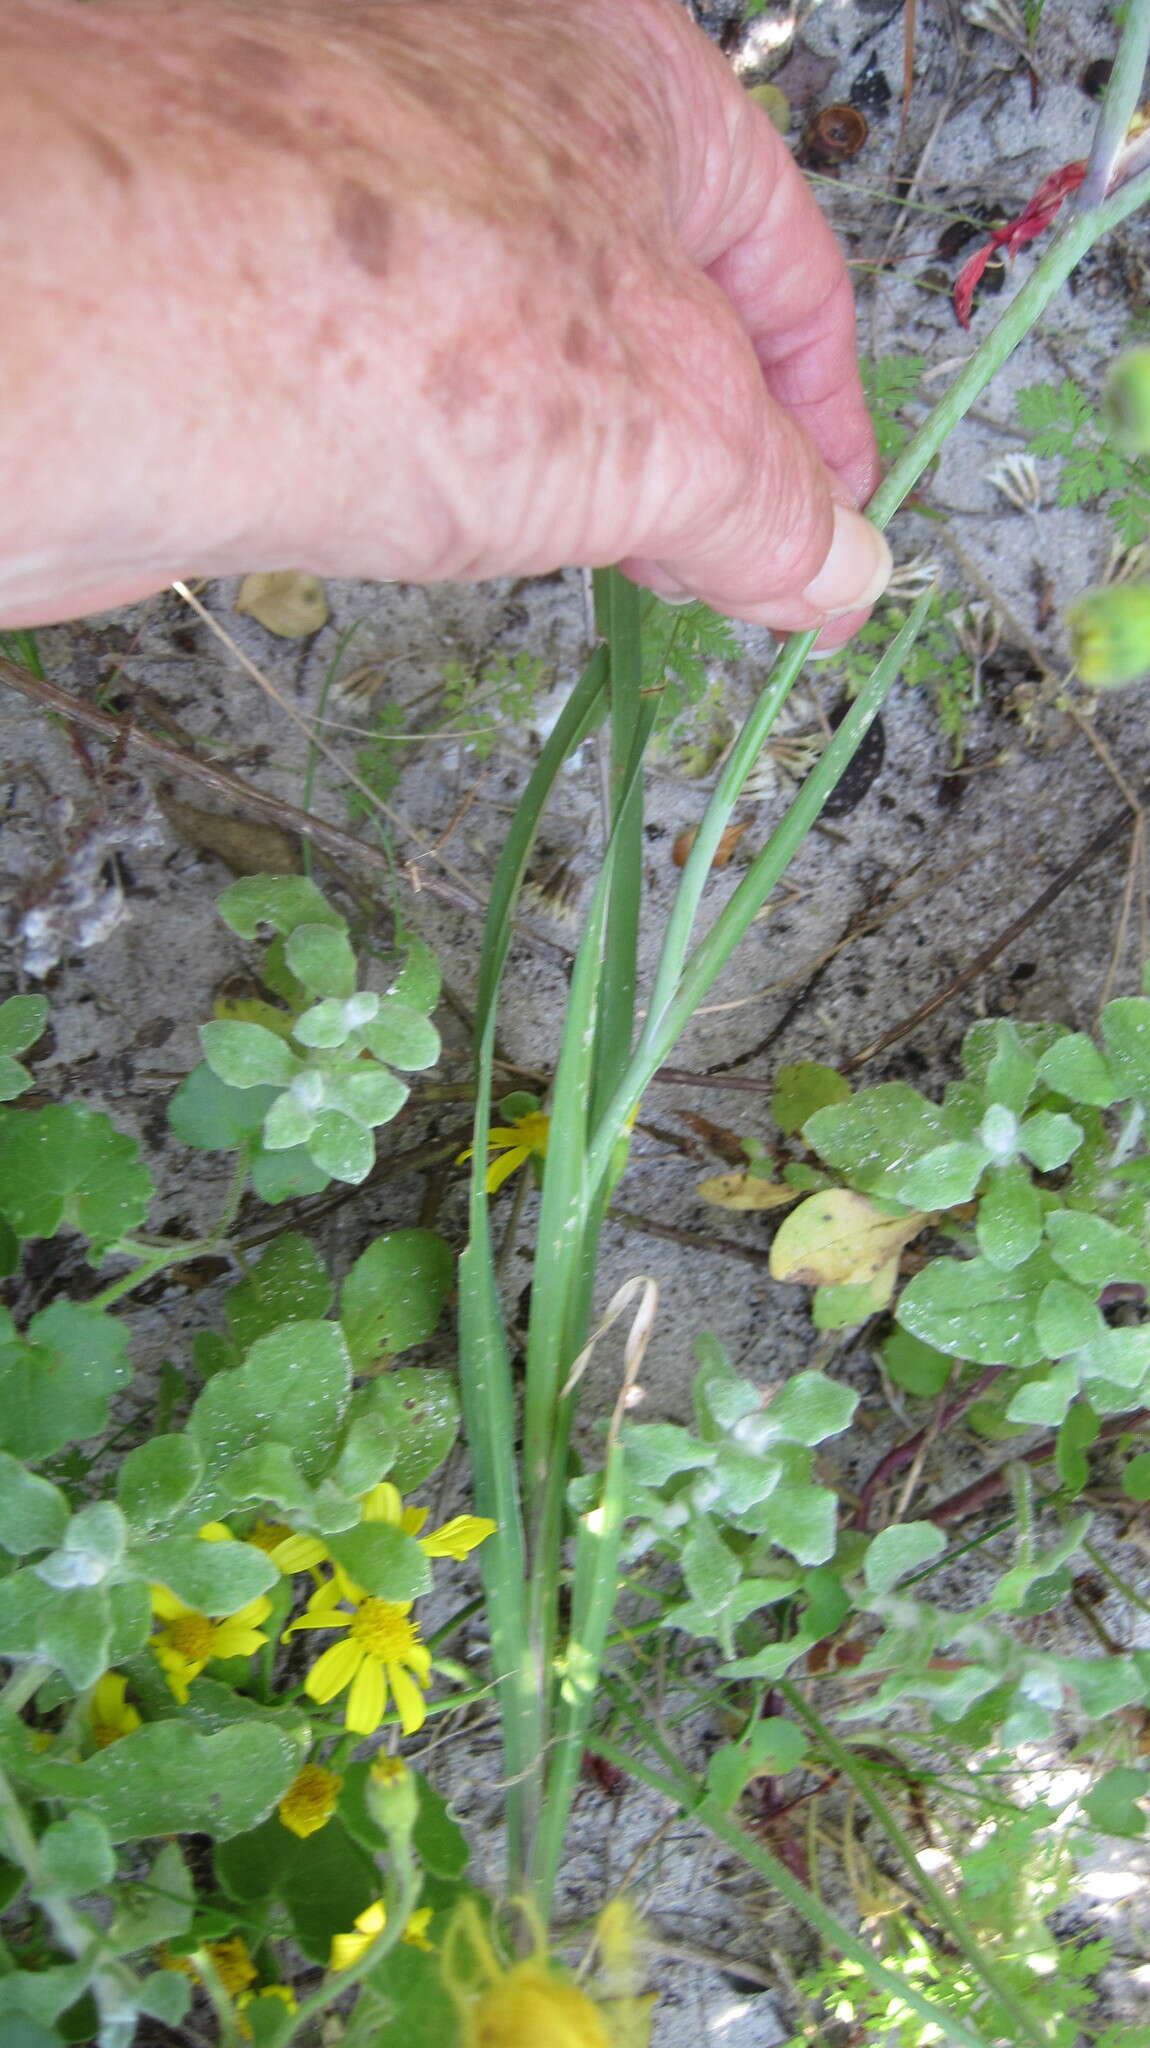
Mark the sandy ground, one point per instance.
(937, 862)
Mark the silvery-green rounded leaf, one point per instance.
(325, 1025)
(283, 901)
(944, 1176)
(22, 1021)
(1046, 1400)
(1073, 1066)
(157, 1477)
(322, 958)
(247, 1056)
(342, 1147)
(369, 1094)
(1093, 1251)
(1009, 1224)
(1126, 1036)
(76, 1855)
(418, 981)
(288, 1122)
(1050, 1139)
(216, 1578)
(1068, 1319)
(33, 1514)
(402, 1036)
(970, 1309)
(898, 1550)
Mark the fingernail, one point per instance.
(857, 569)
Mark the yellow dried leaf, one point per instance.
(745, 1190)
(839, 1238)
(287, 601)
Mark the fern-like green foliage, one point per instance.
(1061, 423)
(889, 384)
(678, 643)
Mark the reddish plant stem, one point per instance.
(958, 1505)
(903, 1454)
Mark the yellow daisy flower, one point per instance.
(310, 1800)
(109, 1713)
(524, 1138)
(296, 1552)
(188, 1639)
(347, 1949)
(532, 2004)
(233, 1964)
(380, 1653)
(457, 1538)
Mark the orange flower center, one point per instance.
(382, 1628)
(193, 1636)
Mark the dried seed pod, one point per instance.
(835, 135)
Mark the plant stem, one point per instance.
(23, 1683)
(151, 1263)
(944, 1913)
(687, 1794)
(1119, 105)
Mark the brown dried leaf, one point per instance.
(727, 1144)
(681, 850)
(288, 602)
(244, 845)
(745, 1190)
(838, 1238)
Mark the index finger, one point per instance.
(746, 216)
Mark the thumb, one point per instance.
(743, 512)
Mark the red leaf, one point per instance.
(1034, 219)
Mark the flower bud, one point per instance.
(1126, 403)
(1110, 634)
(392, 1794)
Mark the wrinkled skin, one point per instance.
(413, 289)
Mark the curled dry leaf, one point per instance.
(745, 1190)
(838, 1238)
(288, 602)
(680, 852)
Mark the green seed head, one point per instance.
(1110, 634)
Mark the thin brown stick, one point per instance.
(904, 1454)
(957, 1506)
(1092, 851)
(326, 837)
(693, 1240)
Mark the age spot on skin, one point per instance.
(255, 63)
(575, 346)
(455, 384)
(111, 159)
(364, 224)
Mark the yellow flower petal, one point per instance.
(298, 1553)
(408, 1699)
(367, 1699)
(458, 1537)
(502, 1169)
(415, 1933)
(331, 1672)
(166, 1605)
(214, 1532)
(382, 1504)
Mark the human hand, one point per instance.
(391, 289)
